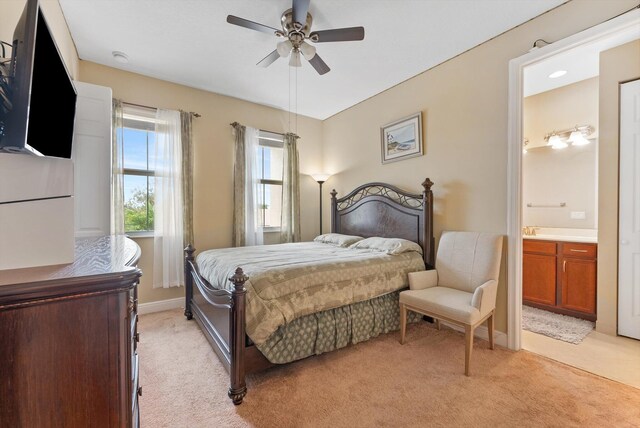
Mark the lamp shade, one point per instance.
(307, 50)
(559, 145)
(553, 140)
(294, 61)
(321, 177)
(284, 48)
(577, 139)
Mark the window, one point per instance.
(270, 159)
(138, 141)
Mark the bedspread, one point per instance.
(288, 281)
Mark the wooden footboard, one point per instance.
(231, 348)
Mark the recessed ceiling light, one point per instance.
(120, 57)
(558, 73)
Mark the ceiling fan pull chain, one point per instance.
(289, 99)
(296, 118)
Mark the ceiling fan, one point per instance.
(296, 30)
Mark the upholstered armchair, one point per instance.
(462, 289)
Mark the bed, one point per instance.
(255, 323)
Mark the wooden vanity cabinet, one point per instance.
(560, 277)
(578, 277)
(539, 272)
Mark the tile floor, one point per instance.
(616, 358)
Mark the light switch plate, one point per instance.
(578, 215)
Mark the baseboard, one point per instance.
(160, 305)
(482, 332)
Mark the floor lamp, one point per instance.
(320, 178)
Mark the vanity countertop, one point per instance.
(564, 235)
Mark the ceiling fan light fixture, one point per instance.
(294, 61)
(307, 50)
(284, 48)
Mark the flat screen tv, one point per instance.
(42, 93)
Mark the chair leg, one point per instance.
(437, 323)
(468, 349)
(403, 322)
(490, 329)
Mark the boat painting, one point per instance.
(402, 139)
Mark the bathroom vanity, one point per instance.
(559, 273)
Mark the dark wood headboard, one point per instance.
(380, 209)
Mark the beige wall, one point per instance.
(616, 65)
(464, 107)
(569, 175)
(213, 153)
(10, 11)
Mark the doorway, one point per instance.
(562, 265)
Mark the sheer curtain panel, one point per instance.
(117, 165)
(169, 203)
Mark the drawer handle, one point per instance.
(577, 251)
(564, 266)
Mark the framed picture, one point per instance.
(402, 139)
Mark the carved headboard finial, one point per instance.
(427, 183)
(333, 194)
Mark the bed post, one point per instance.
(334, 209)
(238, 388)
(429, 241)
(188, 281)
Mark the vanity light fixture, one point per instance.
(577, 136)
(558, 73)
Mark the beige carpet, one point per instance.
(378, 383)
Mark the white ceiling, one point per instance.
(189, 42)
(580, 63)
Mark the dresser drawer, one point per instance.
(539, 247)
(574, 249)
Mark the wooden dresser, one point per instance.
(68, 337)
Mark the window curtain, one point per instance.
(186, 138)
(168, 236)
(290, 222)
(117, 165)
(247, 197)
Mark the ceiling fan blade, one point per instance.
(338, 35)
(269, 59)
(250, 24)
(320, 66)
(300, 9)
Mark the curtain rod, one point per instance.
(234, 124)
(155, 108)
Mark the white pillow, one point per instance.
(387, 245)
(338, 239)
